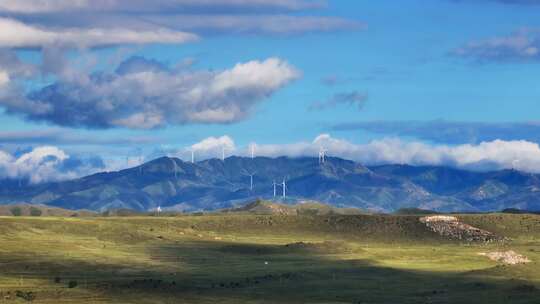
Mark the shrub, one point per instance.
(35, 211)
(72, 284)
(26, 295)
(16, 211)
(307, 212)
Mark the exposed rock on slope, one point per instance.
(508, 257)
(451, 227)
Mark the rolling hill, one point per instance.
(215, 184)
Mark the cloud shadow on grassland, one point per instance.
(202, 271)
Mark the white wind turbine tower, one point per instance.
(175, 168)
(140, 159)
(192, 155)
(252, 147)
(275, 186)
(158, 209)
(250, 179)
(515, 164)
(322, 155)
(162, 151)
(284, 186)
(223, 153)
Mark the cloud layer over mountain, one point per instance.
(48, 163)
(485, 156)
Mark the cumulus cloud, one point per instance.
(214, 144)
(12, 72)
(16, 34)
(485, 156)
(449, 132)
(492, 155)
(146, 96)
(211, 147)
(351, 99)
(523, 45)
(44, 164)
(47, 163)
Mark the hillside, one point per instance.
(251, 258)
(301, 208)
(214, 184)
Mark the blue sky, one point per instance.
(361, 71)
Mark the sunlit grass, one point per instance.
(243, 259)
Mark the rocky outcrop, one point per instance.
(453, 228)
(509, 257)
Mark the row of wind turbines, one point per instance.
(283, 184)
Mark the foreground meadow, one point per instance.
(262, 259)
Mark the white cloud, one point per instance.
(51, 6)
(15, 34)
(40, 164)
(50, 163)
(40, 6)
(201, 16)
(523, 45)
(211, 147)
(150, 96)
(43, 164)
(493, 155)
(4, 78)
(275, 24)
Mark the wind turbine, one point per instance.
(322, 155)
(192, 155)
(223, 153)
(275, 185)
(284, 185)
(252, 151)
(158, 209)
(250, 179)
(140, 158)
(515, 163)
(175, 168)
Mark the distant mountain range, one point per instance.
(215, 184)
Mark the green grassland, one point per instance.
(247, 258)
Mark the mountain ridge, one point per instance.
(214, 184)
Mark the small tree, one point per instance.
(16, 211)
(35, 211)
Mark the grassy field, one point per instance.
(261, 259)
